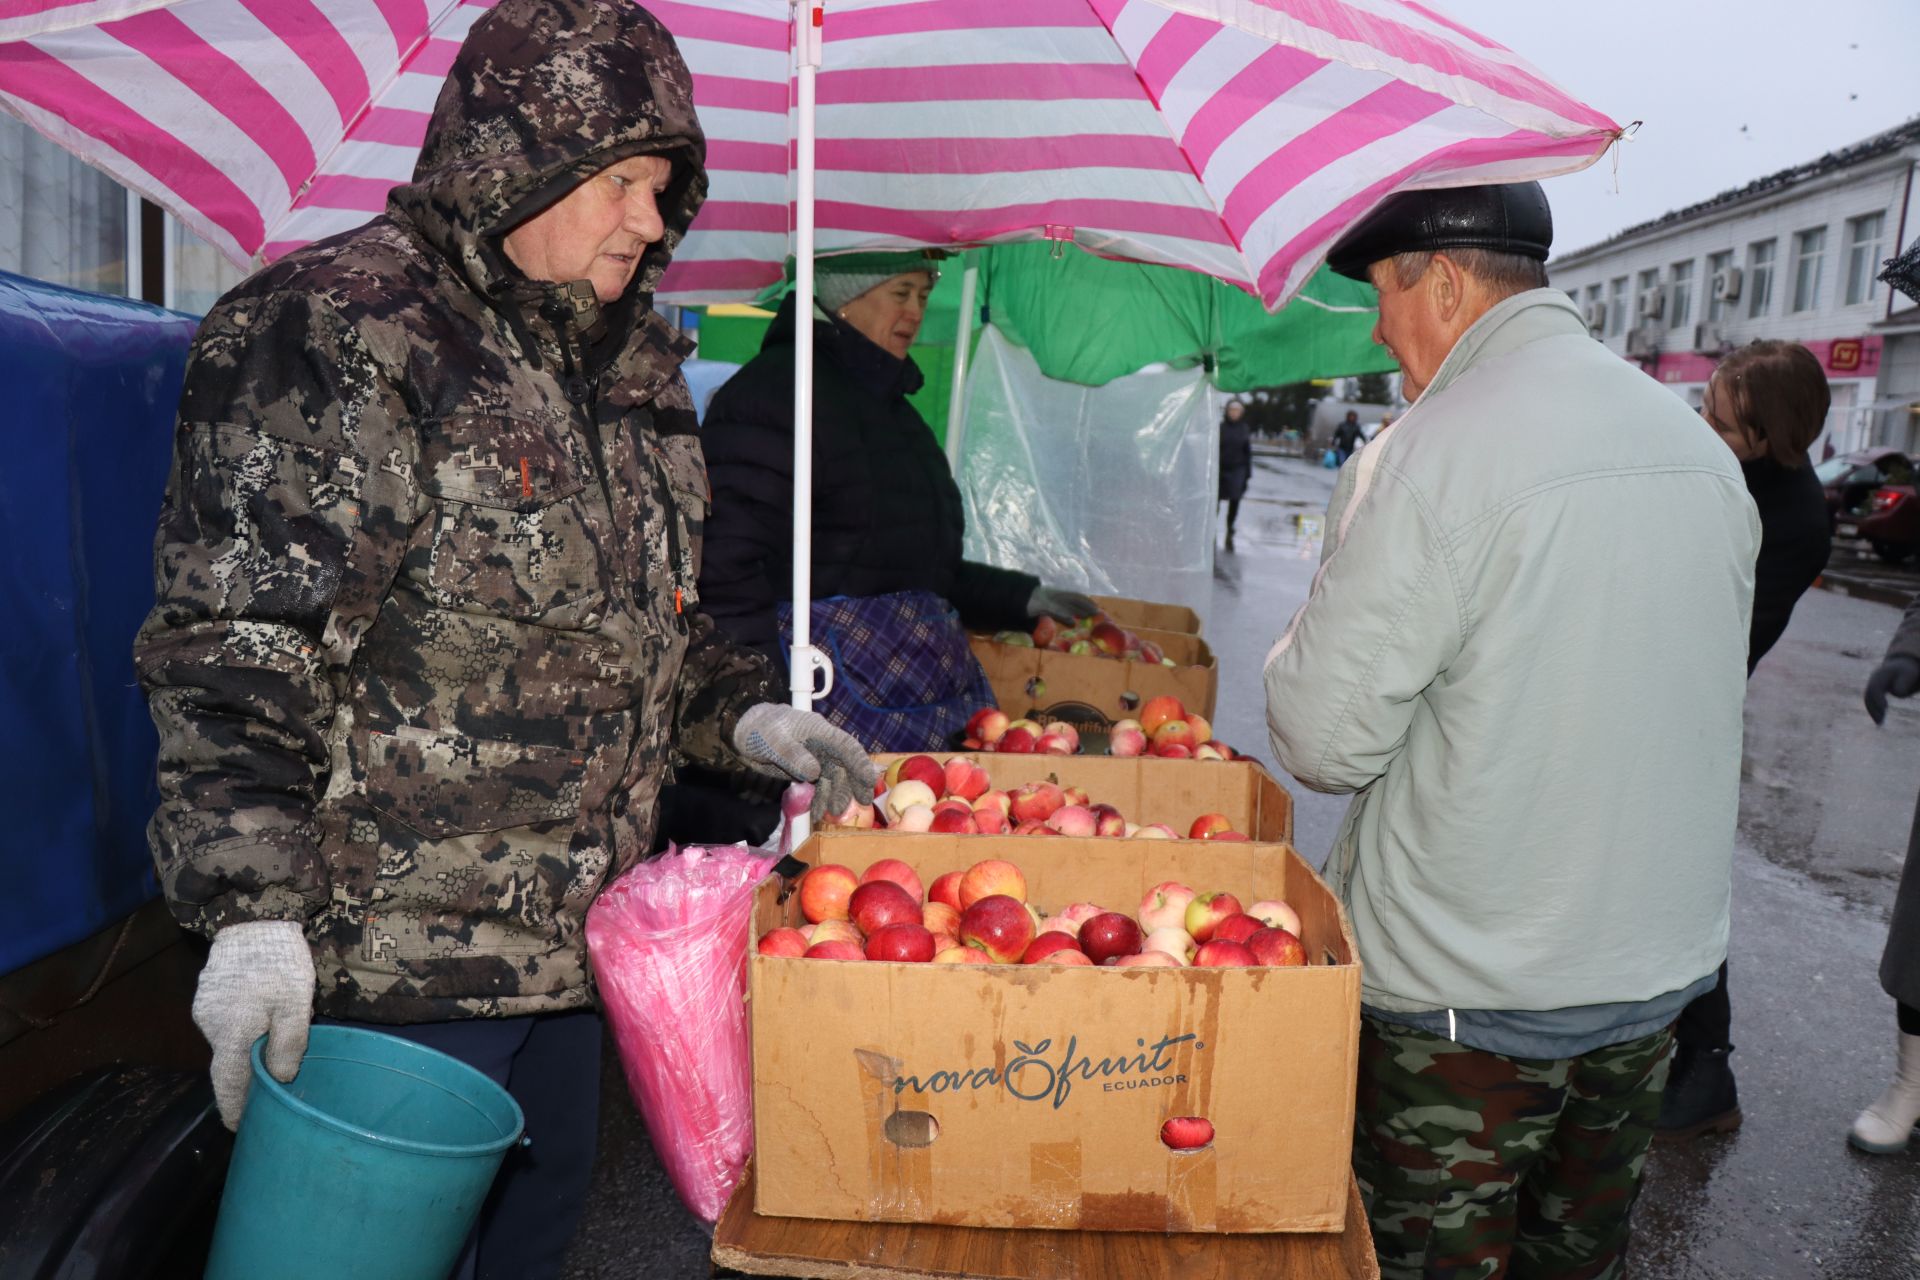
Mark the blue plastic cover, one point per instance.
(88, 389)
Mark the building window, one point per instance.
(1809, 267)
(1760, 276)
(1680, 294)
(60, 220)
(1718, 265)
(1595, 312)
(1865, 248)
(1617, 307)
(1646, 304)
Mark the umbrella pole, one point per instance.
(808, 17)
(957, 393)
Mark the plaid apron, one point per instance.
(904, 678)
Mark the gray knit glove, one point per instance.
(258, 981)
(786, 742)
(1067, 606)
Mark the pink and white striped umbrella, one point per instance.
(1234, 137)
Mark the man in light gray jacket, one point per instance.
(1525, 651)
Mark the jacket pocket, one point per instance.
(444, 785)
(510, 537)
(686, 471)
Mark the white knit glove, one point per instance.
(787, 742)
(258, 981)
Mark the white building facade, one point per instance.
(1792, 255)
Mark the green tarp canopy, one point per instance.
(1088, 320)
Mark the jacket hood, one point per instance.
(542, 95)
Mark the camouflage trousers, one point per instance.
(1474, 1164)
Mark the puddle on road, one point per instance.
(1295, 533)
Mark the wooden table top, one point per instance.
(818, 1249)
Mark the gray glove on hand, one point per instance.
(1899, 675)
(258, 981)
(787, 742)
(1067, 606)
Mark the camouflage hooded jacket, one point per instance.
(425, 636)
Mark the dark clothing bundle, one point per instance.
(1900, 962)
(1236, 458)
(886, 512)
(1795, 539)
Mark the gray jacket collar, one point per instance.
(1510, 324)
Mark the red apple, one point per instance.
(1052, 744)
(1174, 733)
(1238, 927)
(1072, 820)
(1165, 906)
(1277, 946)
(988, 724)
(824, 891)
(999, 925)
(1206, 824)
(1155, 831)
(833, 931)
(1202, 728)
(1017, 742)
(940, 917)
(958, 954)
(836, 951)
(879, 903)
(966, 780)
(988, 820)
(1158, 711)
(1173, 941)
(782, 942)
(1064, 730)
(914, 818)
(1149, 960)
(1205, 913)
(1034, 827)
(1076, 795)
(1187, 1133)
(1067, 955)
(957, 821)
(991, 877)
(946, 889)
(1108, 936)
(857, 815)
(1031, 726)
(1108, 821)
(908, 943)
(897, 871)
(925, 769)
(1209, 751)
(1172, 751)
(1219, 955)
(1035, 802)
(1126, 742)
(1045, 945)
(1078, 913)
(1276, 914)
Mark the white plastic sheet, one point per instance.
(1107, 489)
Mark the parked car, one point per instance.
(1871, 495)
(1851, 479)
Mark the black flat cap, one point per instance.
(1510, 218)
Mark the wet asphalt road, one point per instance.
(1827, 799)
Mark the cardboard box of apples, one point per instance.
(1115, 672)
(1145, 798)
(1018, 1038)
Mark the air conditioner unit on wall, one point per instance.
(1643, 340)
(1596, 316)
(1652, 303)
(1707, 339)
(1726, 285)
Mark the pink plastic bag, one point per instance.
(669, 946)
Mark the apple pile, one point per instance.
(918, 793)
(1165, 729)
(982, 916)
(990, 729)
(1096, 634)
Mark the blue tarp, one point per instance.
(88, 389)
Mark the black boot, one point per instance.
(1700, 1096)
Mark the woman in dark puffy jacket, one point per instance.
(893, 595)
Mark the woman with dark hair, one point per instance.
(1236, 461)
(1768, 401)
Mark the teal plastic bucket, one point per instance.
(373, 1162)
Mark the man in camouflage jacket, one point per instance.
(426, 640)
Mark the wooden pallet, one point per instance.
(745, 1243)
